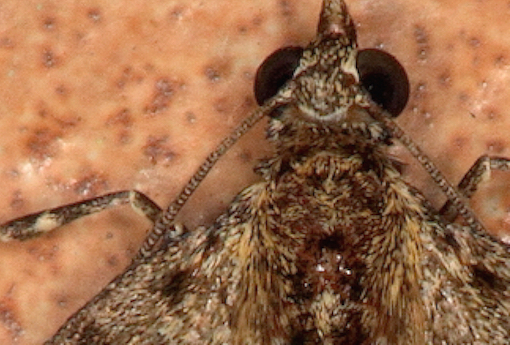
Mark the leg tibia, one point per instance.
(38, 223)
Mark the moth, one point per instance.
(331, 247)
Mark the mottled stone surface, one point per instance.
(98, 97)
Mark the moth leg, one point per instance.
(479, 172)
(35, 224)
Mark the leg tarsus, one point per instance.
(479, 172)
(38, 223)
(144, 205)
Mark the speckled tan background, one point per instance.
(102, 96)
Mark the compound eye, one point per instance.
(384, 78)
(275, 71)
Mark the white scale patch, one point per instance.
(47, 222)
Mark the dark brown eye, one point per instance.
(276, 69)
(384, 78)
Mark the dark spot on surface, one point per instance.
(476, 61)
(492, 115)
(127, 74)
(212, 74)
(500, 61)
(218, 70)
(122, 118)
(163, 91)
(191, 117)
(49, 24)
(222, 105)
(445, 79)
(94, 14)
(17, 200)
(248, 104)
(253, 23)
(157, 149)
(68, 120)
(246, 156)
(124, 137)
(177, 12)
(463, 97)
(131, 250)
(9, 321)
(79, 36)
(422, 41)
(285, 8)
(257, 20)
(459, 142)
(43, 144)
(420, 35)
(6, 42)
(474, 42)
(148, 67)
(62, 91)
(172, 285)
(62, 301)
(43, 113)
(113, 261)
(48, 59)
(421, 87)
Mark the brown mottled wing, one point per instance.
(183, 294)
(466, 286)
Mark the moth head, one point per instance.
(326, 83)
(330, 80)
